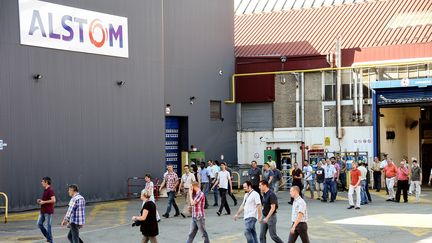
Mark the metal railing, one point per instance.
(236, 181)
(6, 206)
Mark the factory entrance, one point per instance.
(403, 125)
(176, 140)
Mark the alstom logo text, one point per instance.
(95, 31)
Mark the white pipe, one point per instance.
(338, 92)
(303, 107)
(355, 98)
(297, 102)
(361, 101)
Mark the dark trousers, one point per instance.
(342, 178)
(231, 194)
(172, 202)
(329, 184)
(377, 180)
(300, 185)
(367, 191)
(300, 230)
(224, 202)
(402, 186)
(73, 235)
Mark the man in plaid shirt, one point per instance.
(75, 216)
(197, 199)
(171, 182)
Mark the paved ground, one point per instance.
(329, 222)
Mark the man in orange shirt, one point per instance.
(390, 172)
(354, 186)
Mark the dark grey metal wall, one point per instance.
(198, 36)
(76, 125)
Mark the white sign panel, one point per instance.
(60, 27)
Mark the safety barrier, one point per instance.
(140, 182)
(6, 206)
(236, 181)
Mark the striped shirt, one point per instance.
(198, 208)
(299, 206)
(76, 210)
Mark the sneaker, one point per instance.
(177, 214)
(235, 203)
(357, 207)
(227, 214)
(215, 205)
(183, 215)
(165, 215)
(218, 213)
(350, 207)
(331, 200)
(389, 200)
(323, 201)
(318, 198)
(290, 203)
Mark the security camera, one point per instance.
(283, 59)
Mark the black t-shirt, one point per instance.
(320, 175)
(269, 198)
(295, 173)
(254, 176)
(149, 227)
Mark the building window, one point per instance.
(215, 110)
(329, 86)
(346, 84)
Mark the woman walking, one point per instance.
(150, 188)
(147, 219)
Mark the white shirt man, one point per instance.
(252, 211)
(223, 178)
(329, 171)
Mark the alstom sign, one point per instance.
(60, 27)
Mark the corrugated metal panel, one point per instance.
(314, 31)
(257, 116)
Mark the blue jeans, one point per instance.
(45, 231)
(198, 224)
(205, 187)
(172, 202)
(363, 194)
(329, 183)
(250, 232)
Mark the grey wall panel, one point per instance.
(198, 37)
(76, 125)
(257, 116)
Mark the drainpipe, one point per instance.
(303, 115)
(338, 92)
(355, 98)
(361, 101)
(297, 101)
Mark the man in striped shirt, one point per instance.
(197, 199)
(75, 215)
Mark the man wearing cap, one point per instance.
(416, 179)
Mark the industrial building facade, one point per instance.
(96, 117)
(375, 101)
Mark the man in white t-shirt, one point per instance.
(223, 181)
(186, 183)
(213, 169)
(252, 212)
(308, 178)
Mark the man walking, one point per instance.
(319, 178)
(205, 182)
(402, 182)
(270, 205)
(75, 215)
(267, 173)
(223, 181)
(299, 217)
(354, 187)
(308, 179)
(297, 176)
(390, 172)
(342, 174)
(376, 168)
(47, 209)
(170, 181)
(363, 195)
(197, 199)
(230, 192)
(416, 179)
(214, 169)
(252, 211)
(186, 183)
(329, 174)
(277, 176)
(255, 176)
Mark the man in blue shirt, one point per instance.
(205, 182)
(75, 215)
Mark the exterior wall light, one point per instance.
(168, 109)
(37, 76)
(120, 83)
(192, 99)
